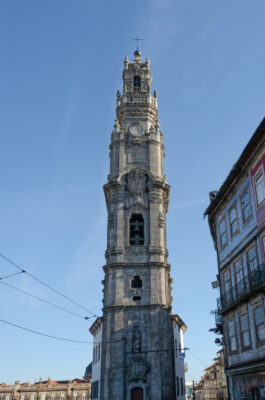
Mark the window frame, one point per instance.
(99, 351)
(229, 337)
(181, 386)
(259, 171)
(245, 348)
(248, 250)
(262, 239)
(233, 207)
(246, 189)
(239, 258)
(259, 342)
(224, 281)
(178, 391)
(222, 246)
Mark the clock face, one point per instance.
(136, 130)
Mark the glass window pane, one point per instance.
(222, 227)
(245, 199)
(260, 188)
(246, 339)
(234, 227)
(232, 214)
(233, 343)
(261, 332)
(259, 315)
(244, 322)
(231, 328)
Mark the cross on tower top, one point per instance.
(137, 39)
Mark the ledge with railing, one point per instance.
(251, 283)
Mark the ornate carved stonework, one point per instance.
(111, 219)
(136, 206)
(136, 181)
(137, 370)
(161, 220)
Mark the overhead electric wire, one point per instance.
(44, 301)
(77, 341)
(43, 334)
(198, 358)
(52, 336)
(48, 286)
(8, 276)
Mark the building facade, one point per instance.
(137, 340)
(179, 328)
(76, 389)
(96, 331)
(213, 384)
(236, 217)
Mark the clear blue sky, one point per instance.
(60, 68)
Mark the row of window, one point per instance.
(238, 269)
(96, 354)
(246, 210)
(43, 396)
(233, 219)
(244, 328)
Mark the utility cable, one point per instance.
(48, 286)
(53, 337)
(8, 276)
(77, 341)
(44, 301)
(194, 355)
(43, 334)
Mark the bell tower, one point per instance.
(137, 347)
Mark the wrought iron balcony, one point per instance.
(251, 283)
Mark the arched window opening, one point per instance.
(137, 81)
(136, 282)
(136, 230)
(137, 393)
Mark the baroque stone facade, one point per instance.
(137, 341)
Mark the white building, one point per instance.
(179, 328)
(96, 331)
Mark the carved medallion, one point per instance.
(136, 182)
(136, 130)
(138, 370)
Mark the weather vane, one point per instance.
(137, 39)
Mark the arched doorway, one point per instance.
(137, 393)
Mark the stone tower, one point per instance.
(137, 349)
